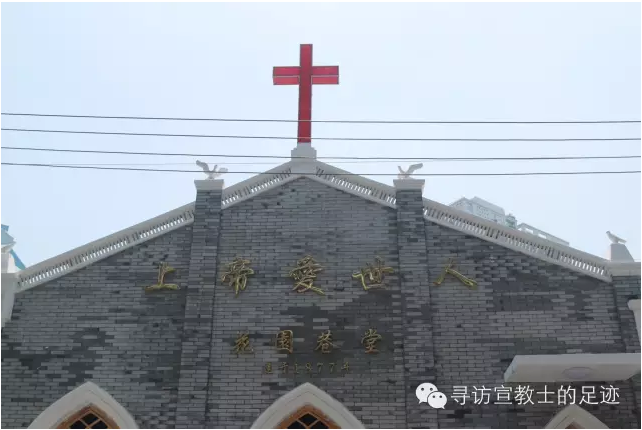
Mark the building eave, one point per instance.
(334, 177)
(546, 250)
(107, 246)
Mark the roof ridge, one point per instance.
(332, 176)
(104, 247)
(529, 244)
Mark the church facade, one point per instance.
(306, 297)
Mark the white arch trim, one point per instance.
(88, 394)
(306, 394)
(576, 416)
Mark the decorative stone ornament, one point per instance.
(211, 174)
(614, 238)
(405, 174)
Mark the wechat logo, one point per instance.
(428, 393)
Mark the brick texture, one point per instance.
(98, 324)
(521, 306)
(166, 356)
(197, 326)
(624, 289)
(418, 342)
(342, 233)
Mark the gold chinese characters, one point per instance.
(163, 269)
(304, 275)
(449, 270)
(372, 275)
(370, 339)
(242, 344)
(324, 342)
(284, 341)
(236, 274)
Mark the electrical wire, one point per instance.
(182, 154)
(373, 139)
(271, 163)
(338, 174)
(321, 121)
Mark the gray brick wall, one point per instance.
(197, 327)
(163, 352)
(99, 324)
(624, 289)
(343, 233)
(418, 341)
(521, 306)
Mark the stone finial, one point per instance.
(405, 174)
(304, 152)
(211, 174)
(304, 159)
(618, 251)
(614, 238)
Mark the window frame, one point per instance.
(85, 411)
(307, 409)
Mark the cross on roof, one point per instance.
(305, 75)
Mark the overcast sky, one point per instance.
(397, 62)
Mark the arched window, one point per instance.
(87, 406)
(88, 418)
(307, 407)
(308, 417)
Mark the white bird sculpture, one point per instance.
(614, 238)
(211, 174)
(406, 174)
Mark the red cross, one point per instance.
(306, 75)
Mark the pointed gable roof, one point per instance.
(7, 239)
(8, 242)
(565, 256)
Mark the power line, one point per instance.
(182, 154)
(308, 174)
(387, 139)
(272, 163)
(321, 121)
